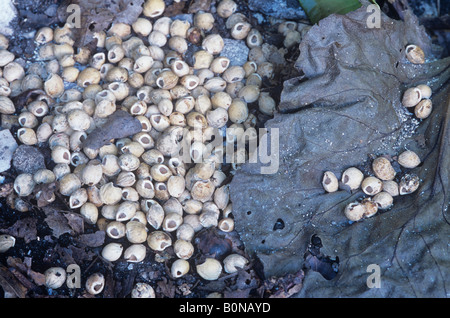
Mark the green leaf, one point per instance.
(319, 9)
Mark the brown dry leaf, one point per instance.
(119, 124)
(166, 287)
(24, 228)
(24, 267)
(92, 239)
(185, 289)
(290, 285)
(318, 262)
(74, 255)
(11, 285)
(124, 286)
(58, 223)
(282, 287)
(62, 222)
(76, 222)
(244, 282)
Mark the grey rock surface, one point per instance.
(7, 147)
(28, 159)
(281, 9)
(236, 51)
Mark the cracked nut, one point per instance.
(110, 194)
(226, 8)
(78, 198)
(355, 211)
(210, 269)
(423, 109)
(6, 242)
(135, 253)
(55, 277)
(370, 207)
(183, 249)
(153, 8)
(226, 224)
(411, 97)
(383, 169)
(89, 211)
(95, 284)
(352, 177)
(112, 251)
(384, 200)
(329, 182)
(371, 185)
(408, 159)
(179, 268)
(172, 221)
(159, 240)
(115, 229)
(24, 184)
(408, 184)
(143, 290)
(390, 187)
(415, 54)
(126, 210)
(185, 232)
(232, 262)
(425, 90)
(136, 232)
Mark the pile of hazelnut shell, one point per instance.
(136, 188)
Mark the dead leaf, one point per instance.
(56, 221)
(166, 287)
(24, 267)
(243, 282)
(11, 285)
(318, 262)
(280, 287)
(76, 222)
(92, 239)
(185, 289)
(119, 124)
(125, 285)
(24, 228)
